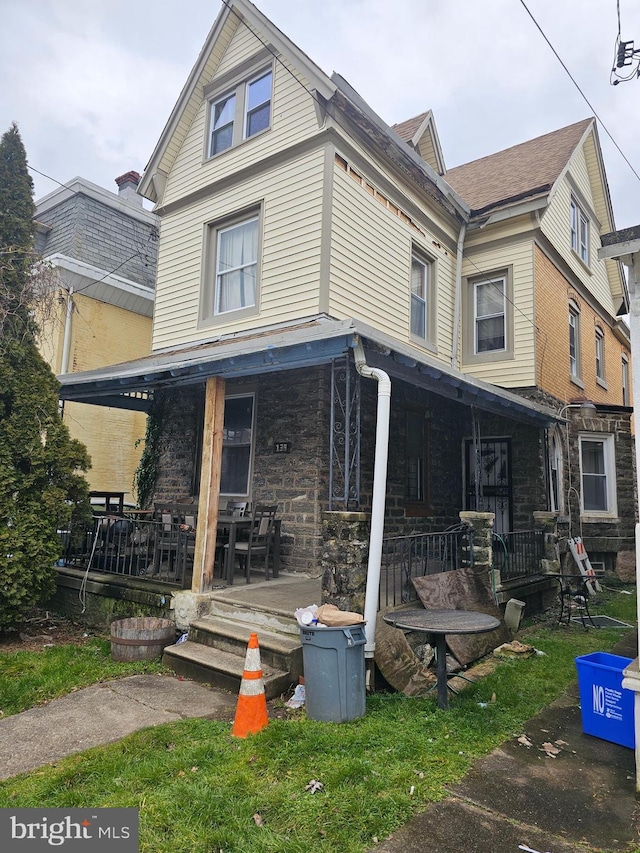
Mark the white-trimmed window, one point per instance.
(579, 231)
(574, 341)
(241, 112)
(421, 273)
(599, 354)
(625, 381)
(555, 472)
(598, 474)
(231, 272)
(237, 445)
(490, 310)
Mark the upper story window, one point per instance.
(599, 354)
(488, 318)
(579, 231)
(574, 341)
(625, 381)
(490, 315)
(231, 278)
(243, 111)
(422, 298)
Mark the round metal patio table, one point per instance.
(440, 623)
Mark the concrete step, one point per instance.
(277, 620)
(221, 668)
(277, 650)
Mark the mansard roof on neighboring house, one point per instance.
(518, 173)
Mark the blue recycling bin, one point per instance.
(606, 706)
(334, 673)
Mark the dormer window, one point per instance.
(579, 231)
(241, 112)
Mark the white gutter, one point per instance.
(66, 344)
(458, 296)
(379, 494)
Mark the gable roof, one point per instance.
(518, 173)
(175, 130)
(420, 132)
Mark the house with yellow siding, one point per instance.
(311, 257)
(102, 248)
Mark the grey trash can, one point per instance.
(334, 683)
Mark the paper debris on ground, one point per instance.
(524, 740)
(514, 649)
(313, 787)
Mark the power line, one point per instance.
(575, 83)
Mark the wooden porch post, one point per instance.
(205, 548)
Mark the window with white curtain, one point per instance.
(241, 112)
(236, 266)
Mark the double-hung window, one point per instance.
(243, 111)
(579, 231)
(236, 266)
(490, 315)
(597, 472)
(625, 381)
(574, 342)
(600, 355)
(420, 274)
(231, 272)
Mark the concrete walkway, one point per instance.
(101, 714)
(518, 798)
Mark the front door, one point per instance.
(488, 479)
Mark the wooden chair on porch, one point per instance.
(259, 544)
(236, 509)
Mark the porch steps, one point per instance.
(215, 654)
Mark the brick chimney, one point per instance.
(127, 186)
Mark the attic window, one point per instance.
(242, 112)
(579, 231)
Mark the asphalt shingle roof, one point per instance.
(519, 172)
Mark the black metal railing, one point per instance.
(142, 548)
(408, 557)
(518, 554)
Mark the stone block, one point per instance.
(626, 566)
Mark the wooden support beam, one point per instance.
(211, 465)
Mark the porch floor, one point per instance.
(281, 595)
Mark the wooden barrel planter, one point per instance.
(141, 638)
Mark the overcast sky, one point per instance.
(91, 83)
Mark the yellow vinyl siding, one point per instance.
(371, 261)
(519, 371)
(427, 151)
(556, 225)
(291, 199)
(293, 119)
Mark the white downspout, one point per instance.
(379, 494)
(455, 343)
(66, 343)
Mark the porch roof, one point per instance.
(312, 341)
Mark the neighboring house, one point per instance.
(297, 228)
(103, 248)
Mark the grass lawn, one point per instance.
(201, 791)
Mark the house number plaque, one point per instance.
(282, 447)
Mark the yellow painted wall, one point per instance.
(102, 334)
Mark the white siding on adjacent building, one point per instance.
(556, 225)
(291, 198)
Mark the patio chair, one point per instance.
(260, 541)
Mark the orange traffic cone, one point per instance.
(251, 710)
